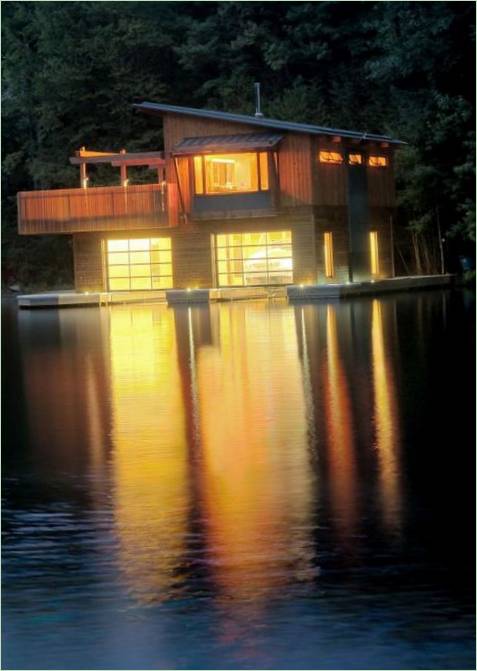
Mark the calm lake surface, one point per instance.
(242, 486)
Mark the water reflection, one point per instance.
(340, 434)
(151, 493)
(255, 478)
(386, 420)
(207, 486)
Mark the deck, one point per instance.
(92, 209)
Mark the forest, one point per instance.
(72, 69)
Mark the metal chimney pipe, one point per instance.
(258, 113)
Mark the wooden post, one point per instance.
(124, 171)
(83, 172)
(441, 246)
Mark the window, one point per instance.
(328, 252)
(330, 157)
(231, 173)
(139, 263)
(374, 252)
(248, 259)
(377, 161)
(355, 159)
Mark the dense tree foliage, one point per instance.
(71, 70)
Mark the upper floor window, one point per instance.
(355, 159)
(377, 161)
(231, 173)
(330, 157)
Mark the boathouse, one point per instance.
(235, 201)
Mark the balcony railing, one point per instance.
(103, 208)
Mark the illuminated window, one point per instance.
(374, 252)
(328, 251)
(139, 263)
(248, 259)
(330, 157)
(377, 161)
(355, 159)
(231, 173)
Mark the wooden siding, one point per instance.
(329, 180)
(381, 192)
(335, 221)
(88, 262)
(380, 221)
(294, 167)
(93, 209)
(294, 158)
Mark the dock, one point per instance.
(294, 293)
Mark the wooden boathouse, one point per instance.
(235, 201)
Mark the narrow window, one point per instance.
(377, 161)
(355, 159)
(330, 157)
(328, 249)
(374, 252)
(198, 176)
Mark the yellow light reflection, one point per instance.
(255, 474)
(339, 419)
(151, 495)
(386, 421)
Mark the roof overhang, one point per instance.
(225, 144)
(159, 109)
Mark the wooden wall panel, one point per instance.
(380, 221)
(381, 190)
(295, 175)
(294, 153)
(88, 262)
(329, 180)
(177, 127)
(335, 221)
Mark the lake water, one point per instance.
(242, 486)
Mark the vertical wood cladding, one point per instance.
(333, 220)
(380, 221)
(381, 190)
(88, 262)
(294, 165)
(295, 157)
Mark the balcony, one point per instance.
(92, 209)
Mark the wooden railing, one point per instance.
(105, 208)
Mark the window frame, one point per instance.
(231, 193)
(234, 253)
(155, 267)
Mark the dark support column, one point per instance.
(358, 222)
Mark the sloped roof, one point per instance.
(227, 143)
(262, 122)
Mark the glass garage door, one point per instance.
(136, 264)
(248, 259)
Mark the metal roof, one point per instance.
(226, 143)
(160, 109)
